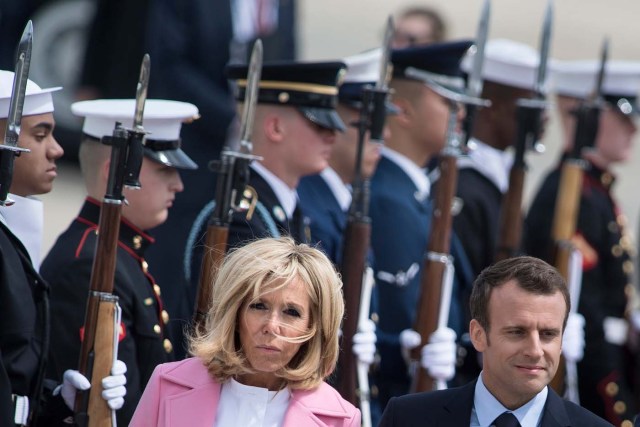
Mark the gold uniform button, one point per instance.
(137, 242)
(168, 347)
(626, 423)
(375, 317)
(617, 251)
(606, 179)
(145, 266)
(611, 389)
(148, 301)
(627, 267)
(157, 329)
(156, 289)
(165, 316)
(620, 407)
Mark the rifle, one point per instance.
(102, 317)
(352, 383)
(232, 191)
(529, 118)
(568, 198)
(9, 150)
(437, 272)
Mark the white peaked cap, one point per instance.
(36, 100)
(162, 118)
(578, 78)
(507, 62)
(363, 67)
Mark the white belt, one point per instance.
(21, 404)
(616, 330)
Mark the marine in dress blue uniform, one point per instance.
(401, 209)
(144, 341)
(603, 374)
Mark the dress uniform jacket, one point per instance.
(327, 220)
(67, 267)
(23, 325)
(401, 220)
(606, 277)
(452, 408)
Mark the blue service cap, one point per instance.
(311, 87)
(162, 120)
(363, 70)
(437, 65)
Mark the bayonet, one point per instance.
(604, 57)
(141, 92)
(10, 147)
(545, 43)
(251, 98)
(135, 148)
(385, 67)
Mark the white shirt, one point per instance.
(246, 406)
(494, 164)
(486, 408)
(337, 187)
(25, 219)
(414, 172)
(287, 197)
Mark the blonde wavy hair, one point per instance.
(252, 270)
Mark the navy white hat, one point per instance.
(162, 120)
(363, 70)
(620, 86)
(36, 100)
(507, 62)
(311, 87)
(437, 65)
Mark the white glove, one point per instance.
(113, 386)
(409, 339)
(573, 338)
(439, 356)
(364, 342)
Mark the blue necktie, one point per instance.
(506, 419)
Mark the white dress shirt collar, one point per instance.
(338, 188)
(486, 408)
(287, 197)
(494, 164)
(417, 175)
(246, 406)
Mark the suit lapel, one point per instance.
(555, 413)
(458, 408)
(201, 394)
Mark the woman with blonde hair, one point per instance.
(271, 338)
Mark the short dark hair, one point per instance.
(428, 14)
(530, 274)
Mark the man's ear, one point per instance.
(406, 111)
(478, 336)
(274, 127)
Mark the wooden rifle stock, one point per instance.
(356, 247)
(214, 252)
(97, 350)
(434, 268)
(511, 216)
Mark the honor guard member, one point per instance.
(294, 130)
(143, 342)
(24, 295)
(401, 209)
(509, 74)
(601, 237)
(326, 197)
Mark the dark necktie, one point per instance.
(506, 419)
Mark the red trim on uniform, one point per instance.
(607, 400)
(84, 237)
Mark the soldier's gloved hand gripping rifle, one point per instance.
(102, 318)
(437, 275)
(353, 382)
(9, 149)
(567, 208)
(529, 115)
(232, 191)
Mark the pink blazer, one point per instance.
(184, 394)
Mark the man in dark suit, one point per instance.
(519, 309)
